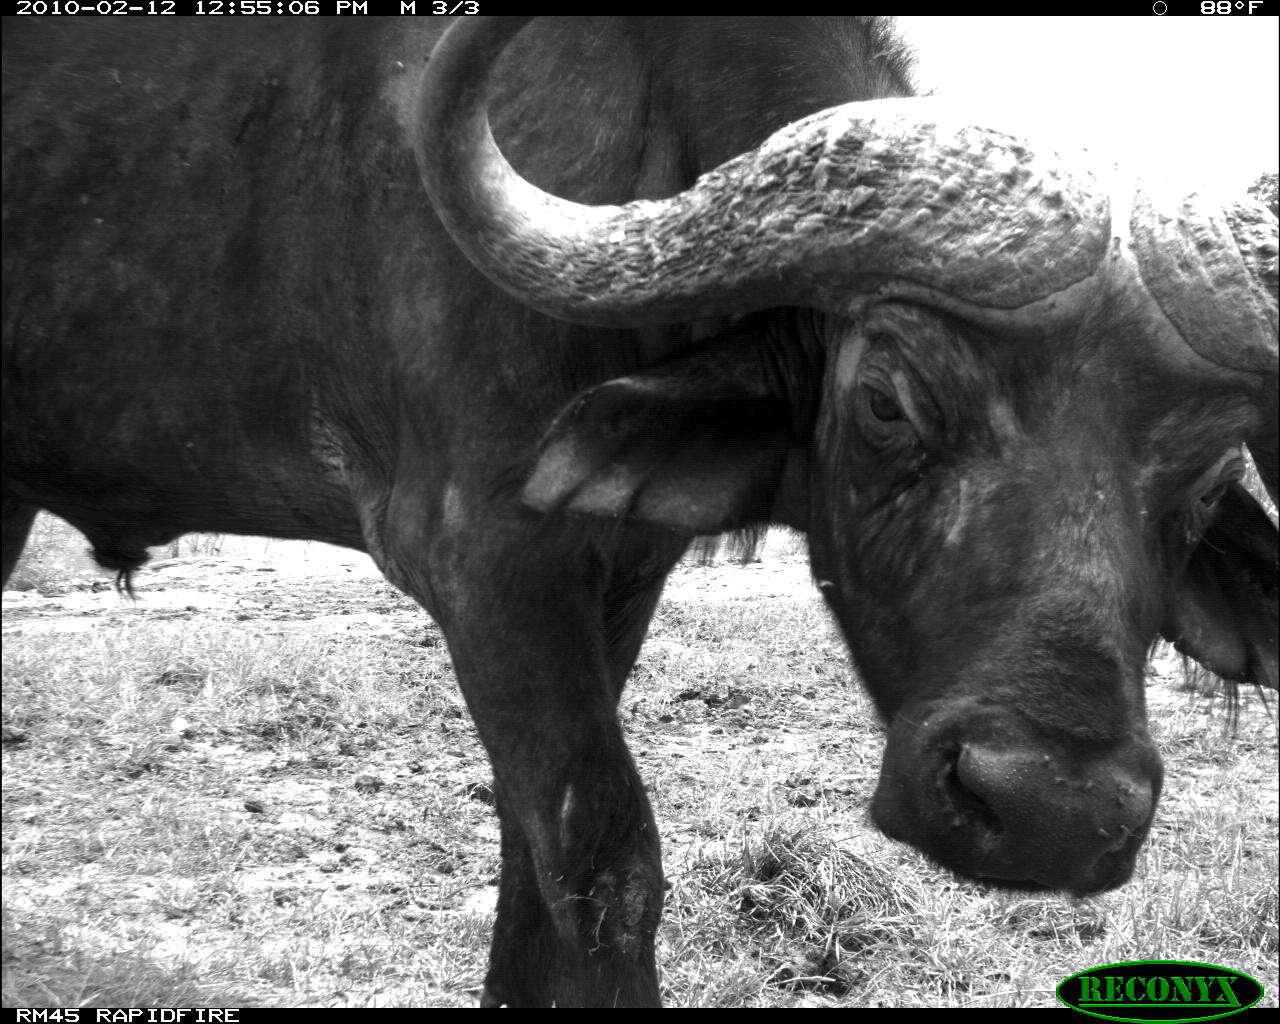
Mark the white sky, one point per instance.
(1195, 97)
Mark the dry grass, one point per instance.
(210, 809)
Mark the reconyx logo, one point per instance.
(1164, 990)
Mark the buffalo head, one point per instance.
(1006, 395)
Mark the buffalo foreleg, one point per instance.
(525, 961)
(576, 928)
(582, 888)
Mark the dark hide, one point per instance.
(228, 306)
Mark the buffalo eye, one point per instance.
(883, 419)
(1208, 491)
(1213, 495)
(884, 407)
(1214, 483)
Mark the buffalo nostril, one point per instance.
(1116, 838)
(968, 800)
(1064, 818)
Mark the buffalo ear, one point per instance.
(697, 446)
(1223, 610)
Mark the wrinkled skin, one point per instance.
(286, 342)
(997, 525)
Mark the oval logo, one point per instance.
(1166, 990)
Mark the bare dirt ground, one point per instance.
(208, 816)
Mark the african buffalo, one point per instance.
(272, 278)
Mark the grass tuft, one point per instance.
(222, 807)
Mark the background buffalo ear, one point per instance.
(697, 446)
(1223, 611)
